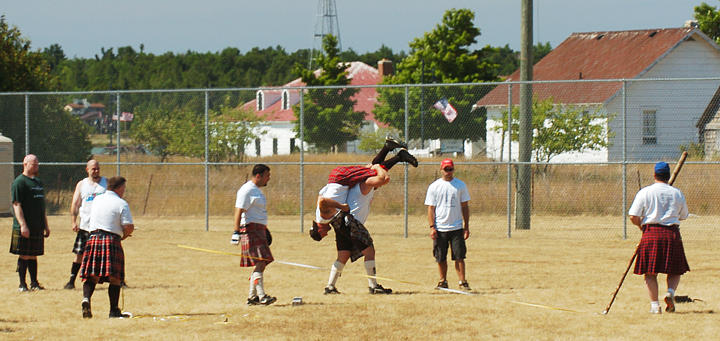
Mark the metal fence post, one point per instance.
(406, 165)
(117, 128)
(207, 170)
(302, 156)
(509, 164)
(624, 154)
(27, 124)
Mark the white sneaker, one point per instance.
(655, 310)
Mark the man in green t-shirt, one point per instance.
(30, 225)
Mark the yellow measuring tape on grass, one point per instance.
(368, 276)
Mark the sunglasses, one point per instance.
(449, 169)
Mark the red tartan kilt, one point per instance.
(103, 257)
(661, 251)
(350, 175)
(254, 245)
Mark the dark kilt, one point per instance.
(254, 245)
(80, 241)
(350, 175)
(33, 246)
(661, 251)
(350, 235)
(103, 257)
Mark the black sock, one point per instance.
(114, 295)
(74, 271)
(32, 269)
(88, 288)
(390, 162)
(22, 270)
(380, 157)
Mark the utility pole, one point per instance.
(524, 202)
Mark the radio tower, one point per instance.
(326, 22)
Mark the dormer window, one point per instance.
(285, 100)
(260, 103)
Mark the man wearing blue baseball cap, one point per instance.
(657, 211)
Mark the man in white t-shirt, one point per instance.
(657, 211)
(449, 217)
(85, 192)
(353, 240)
(104, 258)
(251, 227)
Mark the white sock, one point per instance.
(370, 269)
(252, 292)
(335, 272)
(671, 291)
(655, 305)
(256, 280)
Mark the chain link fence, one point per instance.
(186, 152)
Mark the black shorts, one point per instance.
(80, 241)
(455, 239)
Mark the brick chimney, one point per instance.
(385, 67)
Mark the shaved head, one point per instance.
(93, 170)
(31, 165)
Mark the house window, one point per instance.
(649, 129)
(285, 100)
(257, 147)
(275, 146)
(292, 145)
(260, 104)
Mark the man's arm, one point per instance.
(328, 206)
(466, 218)
(238, 216)
(75, 207)
(378, 180)
(431, 221)
(24, 230)
(636, 221)
(128, 230)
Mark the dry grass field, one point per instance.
(546, 283)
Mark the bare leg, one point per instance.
(460, 269)
(652, 285)
(442, 268)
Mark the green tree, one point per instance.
(708, 18)
(231, 129)
(559, 128)
(55, 135)
(330, 119)
(440, 56)
(373, 141)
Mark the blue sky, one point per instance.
(82, 27)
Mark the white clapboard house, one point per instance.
(661, 116)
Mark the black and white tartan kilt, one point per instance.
(80, 241)
(350, 232)
(33, 246)
(254, 245)
(103, 257)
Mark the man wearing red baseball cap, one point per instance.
(449, 217)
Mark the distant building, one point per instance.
(661, 116)
(274, 106)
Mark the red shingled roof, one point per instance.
(595, 55)
(359, 73)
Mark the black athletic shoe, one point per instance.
(391, 143)
(69, 286)
(253, 300)
(331, 290)
(117, 314)
(23, 288)
(464, 286)
(87, 313)
(36, 287)
(442, 285)
(405, 156)
(378, 289)
(267, 300)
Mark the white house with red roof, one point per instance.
(274, 106)
(660, 115)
